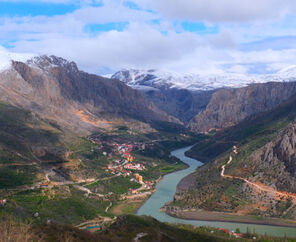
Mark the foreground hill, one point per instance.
(258, 177)
(125, 229)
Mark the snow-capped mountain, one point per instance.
(147, 79)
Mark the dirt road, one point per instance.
(258, 186)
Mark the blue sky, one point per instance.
(202, 36)
(12, 9)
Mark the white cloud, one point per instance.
(161, 44)
(224, 40)
(143, 46)
(111, 12)
(138, 46)
(6, 57)
(221, 11)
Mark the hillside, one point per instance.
(125, 228)
(55, 89)
(205, 102)
(66, 138)
(179, 103)
(256, 125)
(230, 106)
(265, 158)
(27, 143)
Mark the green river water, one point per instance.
(165, 191)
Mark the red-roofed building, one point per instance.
(3, 202)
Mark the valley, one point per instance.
(160, 207)
(147, 121)
(246, 181)
(84, 150)
(97, 177)
(76, 146)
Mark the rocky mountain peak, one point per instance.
(140, 78)
(45, 62)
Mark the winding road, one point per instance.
(260, 187)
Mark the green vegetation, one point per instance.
(126, 228)
(62, 205)
(128, 207)
(161, 169)
(14, 176)
(31, 146)
(117, 185)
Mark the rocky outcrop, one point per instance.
(229, 106)
(275, 163)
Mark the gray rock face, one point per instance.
(229, 106)
(55, 89)
(180, 103)
(276, 161)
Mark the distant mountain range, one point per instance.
(205, 102)
(147, 79)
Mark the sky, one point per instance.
(186, 36)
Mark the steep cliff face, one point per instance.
(229, 106)
(57, 90)
(180, 103)
(275, 163)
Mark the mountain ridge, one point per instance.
(56, 88)
(199, 82)
(206, 102)
(228, 107)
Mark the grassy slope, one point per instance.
(21, 134)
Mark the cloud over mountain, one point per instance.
(197, 36)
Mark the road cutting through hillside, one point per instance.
(260, 187)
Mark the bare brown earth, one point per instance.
(259, 186)
(230, 217)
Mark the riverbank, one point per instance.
(165, 191)
(132, 205)
(211, 216)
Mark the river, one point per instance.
(166, 189)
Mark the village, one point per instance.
(127, 166)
